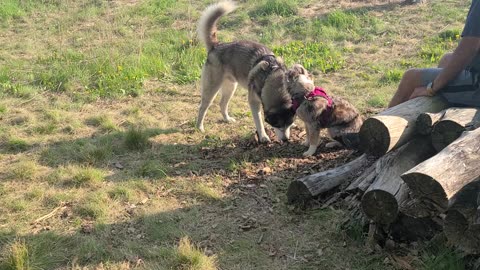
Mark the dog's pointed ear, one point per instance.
(280, 60)
(300, 69)
(292, 75)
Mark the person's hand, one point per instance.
(419, 92)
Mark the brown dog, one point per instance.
(318, 110)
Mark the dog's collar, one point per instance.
(317, 92)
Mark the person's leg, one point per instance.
(445, 60)
(412, 79)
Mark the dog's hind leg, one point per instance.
(228, 89)
(210, 85)
(256, 106)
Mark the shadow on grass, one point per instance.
(137, 154)
(245, 231)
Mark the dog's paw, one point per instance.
(230, 120)
(333, 145)
(264, 139)
(308, 153)
(201, 129)
(311, 150)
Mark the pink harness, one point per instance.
(317, 92)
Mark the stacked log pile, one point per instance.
(418, 174)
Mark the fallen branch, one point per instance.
(49, 215)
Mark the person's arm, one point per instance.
(463, 55)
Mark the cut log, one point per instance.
(453, 124)
(460, 227)
(407, 228)
(434, 181)
(381, 201)
(426, 121)
(361, 183)
(395, 126)
(305, 188)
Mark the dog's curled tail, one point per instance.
(207, 26)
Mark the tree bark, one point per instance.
(460, 227)
(437, 179)
(453, 124)
(426, 121)
(363, 182)
(312, 185)
(381, 201)
(395, 126)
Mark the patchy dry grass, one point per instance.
(98, 101)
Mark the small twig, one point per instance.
(295, 252)
(260, 239)
(49, 215)
(27, 101)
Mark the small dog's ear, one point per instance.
(300, 69)
(292, 75)
(264, 64)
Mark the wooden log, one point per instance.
(460, 227)
(477, 218)
(453, 124)
(434, 181)
(361, 183)
(426, 121)
(407, 228)
(382, 200)
(305, 188)
(395, 126)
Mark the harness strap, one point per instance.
(317, 92)
(270, 58)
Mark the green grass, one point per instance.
(152, 169)
(94, 206)
(24, 170)
(442, 258)
(435, 47)
(314, 56)
(392, 76)
(190, 257)
(97, 112)
(136, 139)
(16, 145)
(104, 122)
(86, 177)
(121, 193)
(276, 7)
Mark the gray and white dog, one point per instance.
(229, 64)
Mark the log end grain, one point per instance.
(298, 193)
(424, 124)
(462, 233)
(374, 139)
(444, 133)
(428, 192)
(380, 206)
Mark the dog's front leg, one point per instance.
(314, 139)
(255, 107)
(307, 138)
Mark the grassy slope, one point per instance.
(96, 116)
